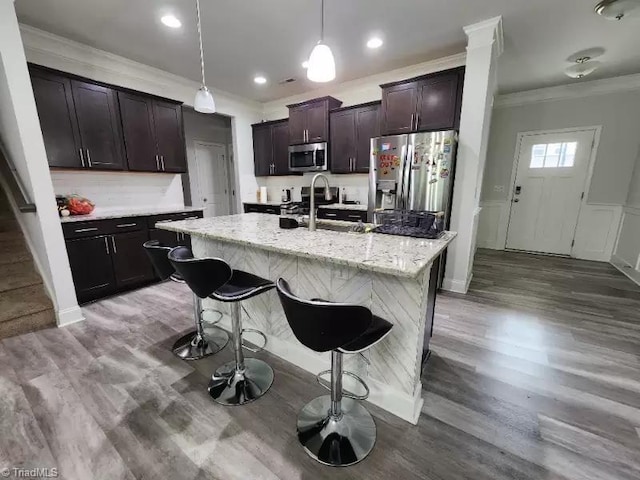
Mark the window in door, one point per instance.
(553, 155)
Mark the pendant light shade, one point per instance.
(203, 102)
(322, 66)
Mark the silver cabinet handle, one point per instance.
(191, 218)
(331, 214)
(125, 225)
(81, 157)
(89, 158)
(113, 242)
(417, 120)
(157, 162)
(80, 230)
(412, 118)
(355, 216)
(162, 160)
(106, 245)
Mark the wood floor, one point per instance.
(535, 374)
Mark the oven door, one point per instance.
(308, 158)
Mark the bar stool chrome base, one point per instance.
(235, 386)
(336, 441)
(194, 346)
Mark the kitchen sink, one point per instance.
(340, 227)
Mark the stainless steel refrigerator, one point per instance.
(412, 172)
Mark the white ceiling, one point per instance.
(273, 37)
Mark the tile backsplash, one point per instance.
(355, 187)
(121, 189)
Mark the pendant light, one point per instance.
(204, 100)
(322, 66)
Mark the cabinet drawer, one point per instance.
(261, 208)
(130, 224)
(86, 229)
(344, 215)
(172, 217)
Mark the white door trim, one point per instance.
(596, 129)
(229, 171)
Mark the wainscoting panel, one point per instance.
(627, 254)
(492, 226)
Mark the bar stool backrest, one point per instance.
(319, 325)
(203, 275)
(159, 256)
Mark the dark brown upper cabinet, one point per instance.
(99, 125)
(152, 134)
(58, 122)
(309, 121)
(430, 102)
(352, 129)
(271, 148)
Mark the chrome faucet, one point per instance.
(312, 206)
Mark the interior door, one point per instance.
(168, 126)
(58, 122)
(138, 129)
(548, 190)
(99, 125)
(213, 179)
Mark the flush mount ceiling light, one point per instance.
(374, 42)
(617, 9)
(260, 80)
(582, 69)
(204, 100)
(322, 66)
(171, 21)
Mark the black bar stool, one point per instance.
(334, 430)
(244, 379)
(202, 341)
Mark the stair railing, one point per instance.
(15, 185)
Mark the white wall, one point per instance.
(613, 104)
(20, 133)
(56, 52)
(119, 190)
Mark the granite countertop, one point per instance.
(394, 255)
(105, 213)
(361, 207)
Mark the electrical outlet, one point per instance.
(498, 188)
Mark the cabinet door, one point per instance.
(165, 237)
(138, 129)
(130, 262)
(437, 103)
(399, 105)
(367, 127)
(54, 101)
(343, 141)
(90, 261)
(168, 126)
(262, 150)
(317, 122)
(280, 143)
(297, 125)
(99, 125)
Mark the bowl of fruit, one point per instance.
(74, 205)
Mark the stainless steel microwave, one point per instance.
(308, 158)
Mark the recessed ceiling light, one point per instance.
(305, 64)
(581, 70)
(260, 80)
(171, 21)
(374, 42)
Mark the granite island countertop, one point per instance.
(389, 254)
(106, 213)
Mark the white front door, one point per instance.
(213, 179)
(548, 190)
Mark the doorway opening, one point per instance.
(550, 178)
(213, 179)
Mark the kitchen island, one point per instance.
(391, 275)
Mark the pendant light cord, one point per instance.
(322, 24)
(200, 37)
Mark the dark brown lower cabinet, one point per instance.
(130, 263)
(90, 261)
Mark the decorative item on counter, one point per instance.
(74, 205)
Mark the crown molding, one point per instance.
(485, 33)
(50, 50)
(603, 86)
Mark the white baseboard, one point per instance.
(68, 316)
(457, 286)
(406, 407)
(626, 269)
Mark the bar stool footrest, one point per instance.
(212, 310)
(345, 393)
(258, 332)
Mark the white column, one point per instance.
(485, 45)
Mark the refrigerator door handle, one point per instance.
(406, 176)
(400, 193)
